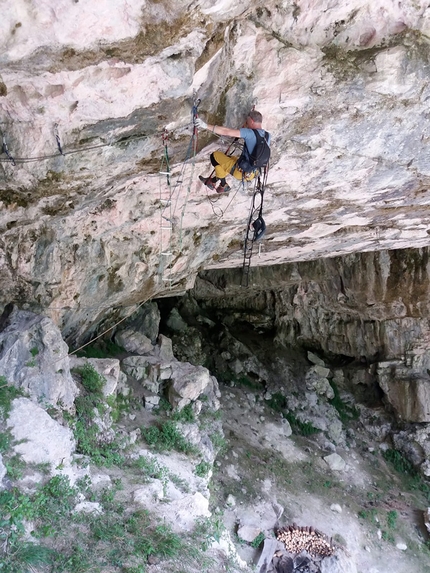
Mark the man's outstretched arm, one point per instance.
(218, 129)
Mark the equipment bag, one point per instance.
(251, 162)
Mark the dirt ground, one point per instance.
(275, 480)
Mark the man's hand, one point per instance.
(201, 124)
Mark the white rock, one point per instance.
(315, 359)
(335, 462)
(336, 508)
(34, 357)
(43, 440)
(134, 341)
(88, 507)
(248, 533)
(108, 368)
(2, 469)
(401, 546)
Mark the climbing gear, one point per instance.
(166, 216)
(57, 138)
(223, 188)
(253, 162)
(201, 124)
(5, 150)
(208, 182)
(259, 227)
(256, 226)
(171, 226)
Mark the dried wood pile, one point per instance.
(297, 539)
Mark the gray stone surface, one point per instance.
(335, 462)
(34, 357)
(42, 439)
(108, 368)
(347, 111)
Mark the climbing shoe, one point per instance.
(224, 188)
(208, 182)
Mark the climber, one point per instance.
(251, 160)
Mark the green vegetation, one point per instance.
(414, 480)
(346, 413)
(202, 469)
(368, 515)
(278, 403)
(89, 405)
(7, 395)
(209, 529)
(299, 427)
(149, 468)
(258, 540)
(184, 415)
(86, 542)
(91, 379)
(238, 380)
(101, 349)
(392, 519)
(163, 406)
(167, 437)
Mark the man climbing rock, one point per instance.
(255, 154)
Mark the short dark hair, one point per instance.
(256, 116)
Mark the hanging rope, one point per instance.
(192, 149)
(165, 219)
(169, 206)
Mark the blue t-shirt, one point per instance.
(249, 137)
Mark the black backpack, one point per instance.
(250, 162)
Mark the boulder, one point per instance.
(427, 519)
(134, 341)
(407, 391)
(316, 380)
(34, 357)
(108, 368)
(335, 462)
(187, 383)
(147, 321)
(145, 370)
(40, 438)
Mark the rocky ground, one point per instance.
(195, 475)
(277, 480)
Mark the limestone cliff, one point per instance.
(88, 90)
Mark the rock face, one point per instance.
(89, 226)
(371, 308)
(34, 357)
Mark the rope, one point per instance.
(61, 152)
(103, 333)
(193, 149)
(165, 222)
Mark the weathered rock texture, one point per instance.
(34, 357)
(343, 87)
(371, 308)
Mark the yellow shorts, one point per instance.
(225, 167)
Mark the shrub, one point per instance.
(167, 437)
